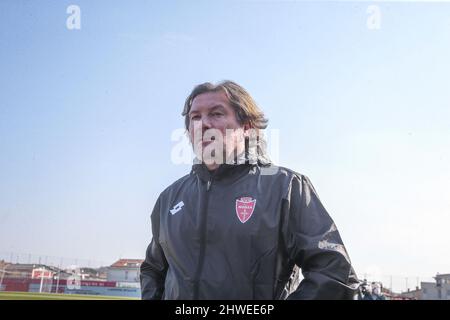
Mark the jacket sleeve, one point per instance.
(154, 268)
(313, 243)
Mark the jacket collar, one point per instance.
(240, 166)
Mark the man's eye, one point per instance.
(195, 117)
(217, 114)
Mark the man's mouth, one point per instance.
(205, 143)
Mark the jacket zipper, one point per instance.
(203, 227)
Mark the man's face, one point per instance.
(214, 130)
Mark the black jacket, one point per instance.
(242, 233)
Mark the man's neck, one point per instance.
(231, 159)
(212, 167)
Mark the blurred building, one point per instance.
(27, 271)
(73, 280)
(439, 290)
(411, 294)
(124, 270)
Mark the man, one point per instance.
(238, 227)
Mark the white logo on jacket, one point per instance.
(177, 207)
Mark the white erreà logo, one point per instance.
(177, 207)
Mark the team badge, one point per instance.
(244, 208)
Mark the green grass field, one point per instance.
(55, 296)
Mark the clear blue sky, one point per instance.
(86, 118)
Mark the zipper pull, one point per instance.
(208, 185)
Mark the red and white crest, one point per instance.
(244, 208)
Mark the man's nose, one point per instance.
(206, 123)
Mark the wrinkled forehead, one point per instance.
(208, 100)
